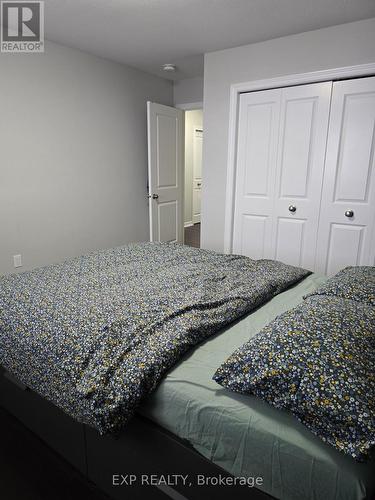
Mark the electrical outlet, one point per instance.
(17, 260)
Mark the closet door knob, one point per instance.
(153, 196)
(292, 208)
(349, 213)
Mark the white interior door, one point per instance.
(165, 172)
(258, 126)
(346, 227)
(299, 172)
(197, 173)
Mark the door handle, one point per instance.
(292, 208)
(349, 213)
(153, 196)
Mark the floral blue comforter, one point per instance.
(95, 334)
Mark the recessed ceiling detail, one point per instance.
(169, 68)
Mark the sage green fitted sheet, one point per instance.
(246, 436)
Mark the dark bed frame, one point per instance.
(142, 448)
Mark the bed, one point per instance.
(246, 436)
(191, 425)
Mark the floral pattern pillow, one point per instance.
(354, 283)
(317, 362)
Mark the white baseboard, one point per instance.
(188, 224)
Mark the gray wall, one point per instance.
(73, 146)
(188, 90)
(344, 45)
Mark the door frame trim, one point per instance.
(342, 73)
(190, 106)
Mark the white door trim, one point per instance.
(270, 83)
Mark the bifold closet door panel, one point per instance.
(299, 172)
(347, 217)
(258, 125)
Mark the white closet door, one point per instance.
(346, 228)
(255, 180)
(299, 172)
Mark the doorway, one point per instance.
(174, 182)
(193, 176)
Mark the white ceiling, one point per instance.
(148, 33)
